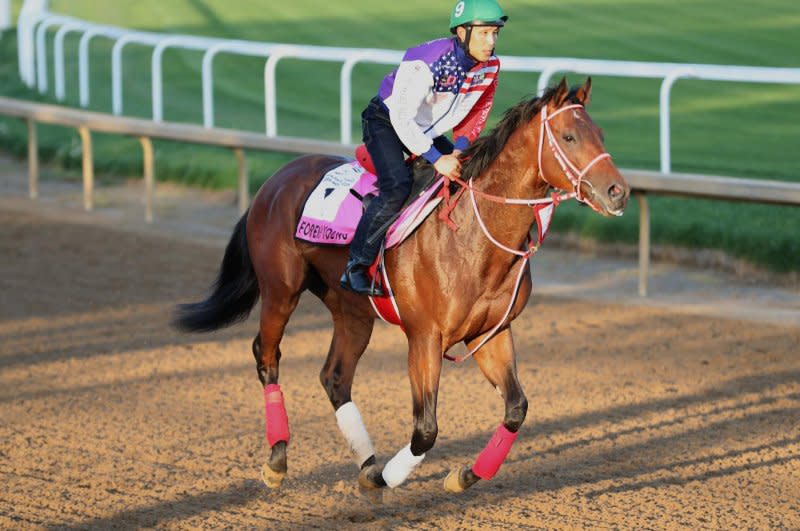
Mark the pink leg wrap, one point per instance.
(490, 459)
(277, 421)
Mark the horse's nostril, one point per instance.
(615, 191)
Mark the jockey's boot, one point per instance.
(355, 278)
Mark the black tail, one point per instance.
(235, 290)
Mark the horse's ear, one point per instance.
(585, 92)
(562, 91)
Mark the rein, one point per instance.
(573, 173)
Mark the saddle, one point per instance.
(422, 173)
(335, 205)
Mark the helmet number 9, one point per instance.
(459, 10)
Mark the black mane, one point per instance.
(485, 149)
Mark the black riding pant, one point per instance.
(394, 179)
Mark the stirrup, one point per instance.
(362, 285)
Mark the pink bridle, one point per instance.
(572, 172)
(574, 175)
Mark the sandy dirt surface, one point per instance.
(641, 416)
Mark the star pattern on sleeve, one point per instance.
(447, 73)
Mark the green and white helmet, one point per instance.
(477, 13)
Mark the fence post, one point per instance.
(544, 79)
(665, 135)
(149, 178)
(41, 48)
(58, 54)
(270, 90)
(644, 243)
(346, 98)
(5, 15)
(244, 182)
(88, 168)
(28, 15)
(33, 160)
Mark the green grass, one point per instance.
(738, 129)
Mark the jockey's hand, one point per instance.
(449, 166)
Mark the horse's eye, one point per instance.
(569, 138)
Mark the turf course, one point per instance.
(718, 128)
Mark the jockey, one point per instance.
(440, 85)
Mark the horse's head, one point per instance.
(571, 152)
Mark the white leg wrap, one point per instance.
(400, 466)
(352, 426)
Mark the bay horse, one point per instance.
(451, 286)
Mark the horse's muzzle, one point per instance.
(617, 199)
(607, 199)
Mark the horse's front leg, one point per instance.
(497, 362)
(424, 369)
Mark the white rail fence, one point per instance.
(34, 25)
(643, 183)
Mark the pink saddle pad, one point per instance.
(333, 208)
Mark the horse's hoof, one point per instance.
(370, 484)
(370, 478)
(271, 478)
(460, 479)
(452, 483)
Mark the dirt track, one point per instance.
(639, 417)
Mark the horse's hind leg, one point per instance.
(496, 361)
(278, 301)
(351, 335)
